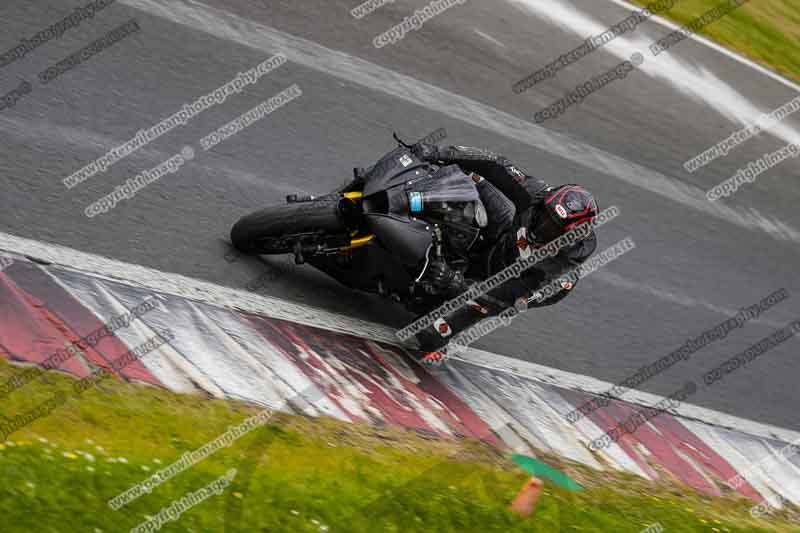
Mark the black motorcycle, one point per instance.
(380, 232)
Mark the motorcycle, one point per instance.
(379, 232)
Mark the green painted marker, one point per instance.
(541, 470)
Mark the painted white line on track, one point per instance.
(696, 81)
(192, 289)
(719, 48)
(489, 38)
(228, 26)
(675, 298)
(219, 296)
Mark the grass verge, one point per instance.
(766, 31)
(297, 474)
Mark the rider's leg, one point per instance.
(499, 209)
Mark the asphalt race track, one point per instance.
(695, 262)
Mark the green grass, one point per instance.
(766, 31)
(298, 474)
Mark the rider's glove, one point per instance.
(439, 278)
(426, 152)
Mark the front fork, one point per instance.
(349, 208)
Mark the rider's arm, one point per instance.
(496, 169)
(458, 325)
(549, 272)
(558, 274)
(499, 301)
(562, 293)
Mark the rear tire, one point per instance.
(276, 229)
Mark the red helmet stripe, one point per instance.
(589, 211)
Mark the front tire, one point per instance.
(276, 229)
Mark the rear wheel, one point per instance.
(278, 229)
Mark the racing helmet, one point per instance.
(563, 208)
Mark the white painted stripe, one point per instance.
(568, 380)
(76, 139)
(654, 291)
(698, 82)
(192, 289)
(711, 44)
(286, 381)
(483, 405)
(211, 294)
(489, 38)
(225, 25)
(166, 365)
(747, 457)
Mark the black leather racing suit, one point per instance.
(512, 200)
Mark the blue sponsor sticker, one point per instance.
(415, 199)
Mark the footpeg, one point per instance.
(296, 199)
(298, 254)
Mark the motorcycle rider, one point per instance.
(524, 212)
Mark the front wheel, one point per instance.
(277, 229)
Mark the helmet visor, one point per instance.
(545, 229)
